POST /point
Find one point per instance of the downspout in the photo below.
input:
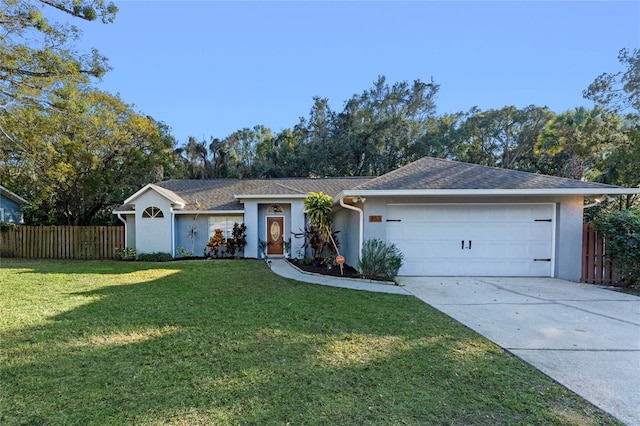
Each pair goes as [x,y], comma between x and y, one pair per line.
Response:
[119,215]
[173,237]
[361,223]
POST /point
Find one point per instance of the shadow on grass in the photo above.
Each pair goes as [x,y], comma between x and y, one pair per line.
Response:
[230,343]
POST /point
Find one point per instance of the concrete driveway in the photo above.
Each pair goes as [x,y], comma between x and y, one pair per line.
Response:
[585,337]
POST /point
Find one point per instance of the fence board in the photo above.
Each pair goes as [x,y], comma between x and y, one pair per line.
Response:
[61,242]
[597,266]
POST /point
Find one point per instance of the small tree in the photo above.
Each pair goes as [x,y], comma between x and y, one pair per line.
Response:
[622,234]
[319,206]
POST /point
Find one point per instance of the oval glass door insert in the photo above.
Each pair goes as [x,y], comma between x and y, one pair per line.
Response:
[275,231]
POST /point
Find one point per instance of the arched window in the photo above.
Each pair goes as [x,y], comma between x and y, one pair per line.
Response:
[275,208]
[152,212]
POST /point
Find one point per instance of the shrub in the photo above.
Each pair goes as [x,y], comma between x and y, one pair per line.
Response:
[217,242]
[380,260]
[155,257]
[622,235]
[238,239]
[184,253]
[5,226]
[128,253]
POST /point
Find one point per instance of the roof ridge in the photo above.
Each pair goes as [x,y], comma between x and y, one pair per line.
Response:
[290,188]
[440,173]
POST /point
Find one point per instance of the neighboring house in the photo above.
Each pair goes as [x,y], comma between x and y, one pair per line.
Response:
[10,206]
[448,218]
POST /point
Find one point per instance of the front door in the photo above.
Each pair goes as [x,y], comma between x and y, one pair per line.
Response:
[275,235]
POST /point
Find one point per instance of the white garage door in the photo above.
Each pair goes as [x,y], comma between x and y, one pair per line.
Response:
[474,240]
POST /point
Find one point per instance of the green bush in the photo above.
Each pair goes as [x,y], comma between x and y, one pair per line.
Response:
[184,253]
[128,253]
[155,257]
[622,235]
[380,260]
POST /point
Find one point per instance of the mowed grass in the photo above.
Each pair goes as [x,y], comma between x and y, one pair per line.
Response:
[229,342]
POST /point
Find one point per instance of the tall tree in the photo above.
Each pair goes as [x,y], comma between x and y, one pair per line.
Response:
[618,92]
[502,137]
[197,159]
[441,138]
[37,54]
[618,96]
[242,148]
[377,129]
[88,153]
[572,132]
[318,134]
[479,132]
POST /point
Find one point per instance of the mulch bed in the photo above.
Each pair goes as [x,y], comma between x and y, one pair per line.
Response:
[349,271]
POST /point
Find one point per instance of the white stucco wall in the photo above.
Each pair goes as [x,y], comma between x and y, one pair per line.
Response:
[348,223]
[569,218]
[251,220]
[183,224]
[153,234]
[297,223]
[130,230]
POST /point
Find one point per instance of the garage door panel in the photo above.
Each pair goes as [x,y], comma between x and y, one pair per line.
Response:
[505,239]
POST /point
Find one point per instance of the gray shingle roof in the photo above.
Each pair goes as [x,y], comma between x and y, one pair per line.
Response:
[436,173]
[424,174]
[219,194]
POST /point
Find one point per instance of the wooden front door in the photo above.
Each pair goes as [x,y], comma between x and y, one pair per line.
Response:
[275,235]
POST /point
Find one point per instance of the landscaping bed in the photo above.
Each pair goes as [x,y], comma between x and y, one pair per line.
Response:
[348,271]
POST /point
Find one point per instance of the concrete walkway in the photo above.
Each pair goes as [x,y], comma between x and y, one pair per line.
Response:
[585,337]
[285,269]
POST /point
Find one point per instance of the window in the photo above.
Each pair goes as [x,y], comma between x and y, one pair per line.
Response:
[152,213]
[225,223]
[275,208]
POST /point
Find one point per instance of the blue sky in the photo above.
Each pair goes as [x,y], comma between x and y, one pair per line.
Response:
[208,68]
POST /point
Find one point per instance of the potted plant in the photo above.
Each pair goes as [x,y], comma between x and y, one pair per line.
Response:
[286,246]
[263,247]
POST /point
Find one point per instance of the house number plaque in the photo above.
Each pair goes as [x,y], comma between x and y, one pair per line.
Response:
[375,218]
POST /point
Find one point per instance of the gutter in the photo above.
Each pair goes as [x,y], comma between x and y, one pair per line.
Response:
[610,190]
[361,221]
[599,200]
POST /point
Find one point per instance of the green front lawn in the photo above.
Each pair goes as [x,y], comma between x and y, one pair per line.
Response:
[228,342]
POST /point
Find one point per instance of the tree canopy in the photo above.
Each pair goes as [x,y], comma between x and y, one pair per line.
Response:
[92,152]
[75,151]
[38,55]
[68,148]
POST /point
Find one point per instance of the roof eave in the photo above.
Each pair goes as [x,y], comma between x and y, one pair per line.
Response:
[175,202]
[181,212]
[269,196]
[483,192]
[12,195]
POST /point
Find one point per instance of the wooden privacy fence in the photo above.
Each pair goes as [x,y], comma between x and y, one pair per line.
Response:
[61,242]
[597,266]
